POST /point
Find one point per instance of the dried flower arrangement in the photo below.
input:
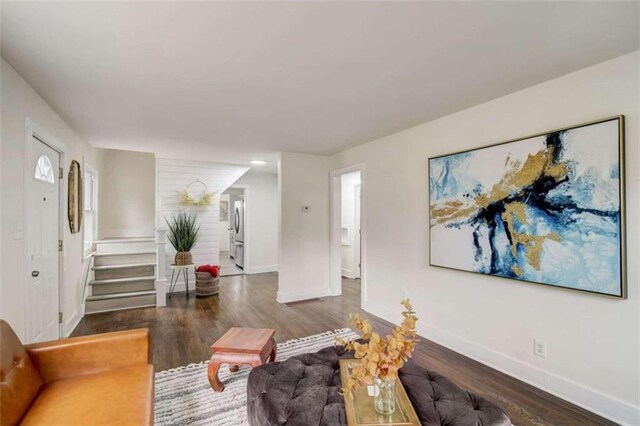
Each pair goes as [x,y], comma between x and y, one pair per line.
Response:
[188,199]
[206,199]
[381,358]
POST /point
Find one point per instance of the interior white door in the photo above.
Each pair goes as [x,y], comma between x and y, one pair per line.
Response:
[43,234]
[357,261]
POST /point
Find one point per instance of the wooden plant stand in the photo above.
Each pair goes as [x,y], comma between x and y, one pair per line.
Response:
[241,346]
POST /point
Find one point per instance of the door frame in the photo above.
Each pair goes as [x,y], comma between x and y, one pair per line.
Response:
[335,219]
[87,168]
[247,257]
[357,260]
[33,130]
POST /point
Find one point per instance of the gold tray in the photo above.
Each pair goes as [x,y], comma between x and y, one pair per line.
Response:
[359,405]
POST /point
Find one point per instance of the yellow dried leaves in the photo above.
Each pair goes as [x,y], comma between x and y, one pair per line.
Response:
[381,357]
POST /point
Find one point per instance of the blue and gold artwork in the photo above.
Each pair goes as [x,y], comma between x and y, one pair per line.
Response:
[546,209]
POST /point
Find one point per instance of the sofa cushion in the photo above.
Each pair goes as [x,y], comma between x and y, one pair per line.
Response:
[20,382]
[115,397]
[304,390]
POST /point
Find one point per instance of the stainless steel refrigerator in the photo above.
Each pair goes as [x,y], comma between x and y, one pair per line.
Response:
[238,212]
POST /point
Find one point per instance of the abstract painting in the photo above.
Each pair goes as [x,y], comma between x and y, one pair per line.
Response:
[546,209]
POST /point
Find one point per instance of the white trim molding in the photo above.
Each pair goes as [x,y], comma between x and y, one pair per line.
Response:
[298,296]
[260,269]
[71,324]
[33,130]
[335,231]
[347,273]
[576,393]
[178,288]
[161,284]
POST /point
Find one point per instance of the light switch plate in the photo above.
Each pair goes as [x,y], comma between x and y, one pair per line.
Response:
[18,232]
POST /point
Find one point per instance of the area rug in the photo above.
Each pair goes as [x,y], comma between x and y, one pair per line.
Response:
[184,396]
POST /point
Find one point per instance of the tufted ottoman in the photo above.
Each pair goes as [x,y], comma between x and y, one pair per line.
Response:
[304,390]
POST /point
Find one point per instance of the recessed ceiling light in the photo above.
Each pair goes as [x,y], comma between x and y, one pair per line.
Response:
[258,162]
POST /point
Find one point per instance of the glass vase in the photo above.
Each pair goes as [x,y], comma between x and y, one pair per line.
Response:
[384,399]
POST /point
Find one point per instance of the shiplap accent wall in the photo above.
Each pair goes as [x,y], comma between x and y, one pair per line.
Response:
[172,176]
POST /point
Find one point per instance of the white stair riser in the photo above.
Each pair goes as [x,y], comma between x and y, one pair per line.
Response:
[124,247]
[125,259]
[134,271]
[93,306]
[100,289]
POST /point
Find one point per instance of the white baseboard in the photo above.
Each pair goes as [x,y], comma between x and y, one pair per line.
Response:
[347,273]
[295,296]
[73,321]
[180,287]
[261,269]
[576,393]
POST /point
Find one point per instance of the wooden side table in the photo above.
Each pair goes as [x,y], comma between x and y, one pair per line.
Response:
[241,346]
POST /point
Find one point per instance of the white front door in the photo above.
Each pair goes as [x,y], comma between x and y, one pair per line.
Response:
[43,221]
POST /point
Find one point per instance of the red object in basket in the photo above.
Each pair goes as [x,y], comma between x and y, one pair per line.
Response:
[214,270]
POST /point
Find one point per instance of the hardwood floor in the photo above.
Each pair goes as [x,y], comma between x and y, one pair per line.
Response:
[183,331]
[228,265]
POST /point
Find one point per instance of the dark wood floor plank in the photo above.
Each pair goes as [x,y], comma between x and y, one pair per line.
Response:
[183,331]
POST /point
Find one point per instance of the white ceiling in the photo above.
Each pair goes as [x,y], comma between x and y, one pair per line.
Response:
[233,81]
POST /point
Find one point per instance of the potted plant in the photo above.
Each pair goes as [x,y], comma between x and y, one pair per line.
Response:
[183,235]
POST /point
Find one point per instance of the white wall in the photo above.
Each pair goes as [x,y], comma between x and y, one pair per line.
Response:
[348,189]
[261,221]
[127,194]
[224,226]
[20,101]
[172,177]
[592,341]
[303,265]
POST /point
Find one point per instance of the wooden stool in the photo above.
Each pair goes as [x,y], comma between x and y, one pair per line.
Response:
[241,346]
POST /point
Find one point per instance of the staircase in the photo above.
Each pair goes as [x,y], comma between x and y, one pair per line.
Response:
[124,275]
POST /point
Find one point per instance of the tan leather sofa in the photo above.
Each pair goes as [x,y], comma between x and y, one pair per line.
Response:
[100,379]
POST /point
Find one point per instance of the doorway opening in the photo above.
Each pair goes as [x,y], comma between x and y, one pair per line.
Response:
[347,232]
[350,262]
[234,232]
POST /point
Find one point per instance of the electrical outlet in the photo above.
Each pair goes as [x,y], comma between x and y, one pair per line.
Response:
[540,348]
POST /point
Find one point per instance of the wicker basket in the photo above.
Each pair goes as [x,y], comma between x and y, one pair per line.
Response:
[206,285]
[184,258]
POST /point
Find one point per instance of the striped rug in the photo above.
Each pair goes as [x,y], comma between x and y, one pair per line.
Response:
[184,396]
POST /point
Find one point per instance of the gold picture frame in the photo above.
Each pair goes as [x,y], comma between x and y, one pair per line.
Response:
[617,144]
[74,197]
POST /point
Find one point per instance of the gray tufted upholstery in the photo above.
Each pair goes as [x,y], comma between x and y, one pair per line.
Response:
[303,390]
[438,401]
